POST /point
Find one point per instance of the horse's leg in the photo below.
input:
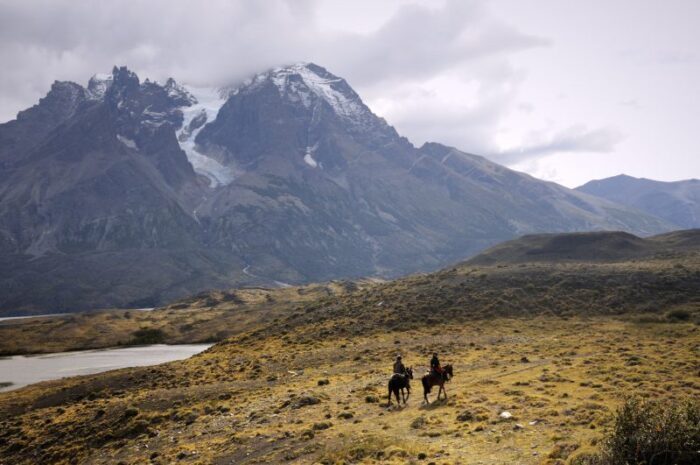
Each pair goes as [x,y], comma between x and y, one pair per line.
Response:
[396,393]
[426,388]
[389,398]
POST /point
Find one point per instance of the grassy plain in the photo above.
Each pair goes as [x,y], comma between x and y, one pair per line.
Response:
[295,398]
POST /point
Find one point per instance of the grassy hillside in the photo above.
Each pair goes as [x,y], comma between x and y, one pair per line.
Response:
[657,276]
[207,317]
[601,246]
[558,345]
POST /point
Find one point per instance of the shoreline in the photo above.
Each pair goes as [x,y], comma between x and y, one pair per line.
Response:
[37,368]
[4,356]
[52,315]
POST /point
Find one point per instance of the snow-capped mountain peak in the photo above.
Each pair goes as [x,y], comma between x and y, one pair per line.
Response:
[309,84]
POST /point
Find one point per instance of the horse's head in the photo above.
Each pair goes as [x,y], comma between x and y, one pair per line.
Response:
[448,371]
[409,372]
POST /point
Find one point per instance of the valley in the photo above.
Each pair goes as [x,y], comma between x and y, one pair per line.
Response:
[262,233]
[558,342]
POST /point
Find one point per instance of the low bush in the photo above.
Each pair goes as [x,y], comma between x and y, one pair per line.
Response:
[147,336]
[654,433]
[679,314]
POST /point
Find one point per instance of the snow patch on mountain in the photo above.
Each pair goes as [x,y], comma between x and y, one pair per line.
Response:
[204,108]
[309,156]
[127,142]
[179,93]
[310,160]
[98,85]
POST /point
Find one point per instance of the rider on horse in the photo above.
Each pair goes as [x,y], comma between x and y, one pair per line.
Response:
[438,376]
[400,381]
[399,367]
[435,364]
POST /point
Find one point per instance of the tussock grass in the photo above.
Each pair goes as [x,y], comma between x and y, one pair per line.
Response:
[357,449]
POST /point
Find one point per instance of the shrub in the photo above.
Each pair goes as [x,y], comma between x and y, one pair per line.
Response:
[679,314]
[147,336]
[654,433]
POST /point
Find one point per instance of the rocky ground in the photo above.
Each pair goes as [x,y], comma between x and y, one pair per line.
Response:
[300,398]
[543,354]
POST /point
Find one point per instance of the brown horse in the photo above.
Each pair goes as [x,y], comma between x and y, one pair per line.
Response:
[399,382]
[436,379]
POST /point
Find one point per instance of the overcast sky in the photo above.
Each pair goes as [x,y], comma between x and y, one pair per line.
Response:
[567,91]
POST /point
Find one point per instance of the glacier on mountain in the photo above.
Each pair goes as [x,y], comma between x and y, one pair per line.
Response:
[204,108]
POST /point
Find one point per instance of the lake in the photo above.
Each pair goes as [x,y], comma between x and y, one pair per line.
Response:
[53,315]
[22,370]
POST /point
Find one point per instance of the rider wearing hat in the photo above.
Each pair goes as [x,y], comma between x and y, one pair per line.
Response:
[399,366]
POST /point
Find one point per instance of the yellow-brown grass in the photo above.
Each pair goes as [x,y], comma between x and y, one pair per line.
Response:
[257,399]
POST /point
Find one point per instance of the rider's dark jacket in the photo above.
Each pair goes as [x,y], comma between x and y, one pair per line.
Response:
[399,367]
[435,363]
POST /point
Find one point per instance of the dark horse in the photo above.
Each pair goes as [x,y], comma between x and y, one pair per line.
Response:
[399,382]
[436,379]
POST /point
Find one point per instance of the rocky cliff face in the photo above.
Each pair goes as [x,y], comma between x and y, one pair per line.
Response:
[133,193]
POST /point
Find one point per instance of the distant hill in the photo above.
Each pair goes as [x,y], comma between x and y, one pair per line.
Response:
[677,202]
[588,274]
[590,246]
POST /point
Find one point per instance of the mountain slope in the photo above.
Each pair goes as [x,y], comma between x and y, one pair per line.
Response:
[676,202]
[329,188]
[96,209]
[134,193]
[586,274]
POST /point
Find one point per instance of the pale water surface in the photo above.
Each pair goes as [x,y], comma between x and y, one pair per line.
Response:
[51,315]
[21,370]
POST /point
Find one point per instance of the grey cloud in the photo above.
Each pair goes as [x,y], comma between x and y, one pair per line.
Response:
[571,140]
[227,41]
[223,41]
[419,42]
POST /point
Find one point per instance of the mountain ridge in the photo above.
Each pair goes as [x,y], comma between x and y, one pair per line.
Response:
[675,201]
[288,176]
